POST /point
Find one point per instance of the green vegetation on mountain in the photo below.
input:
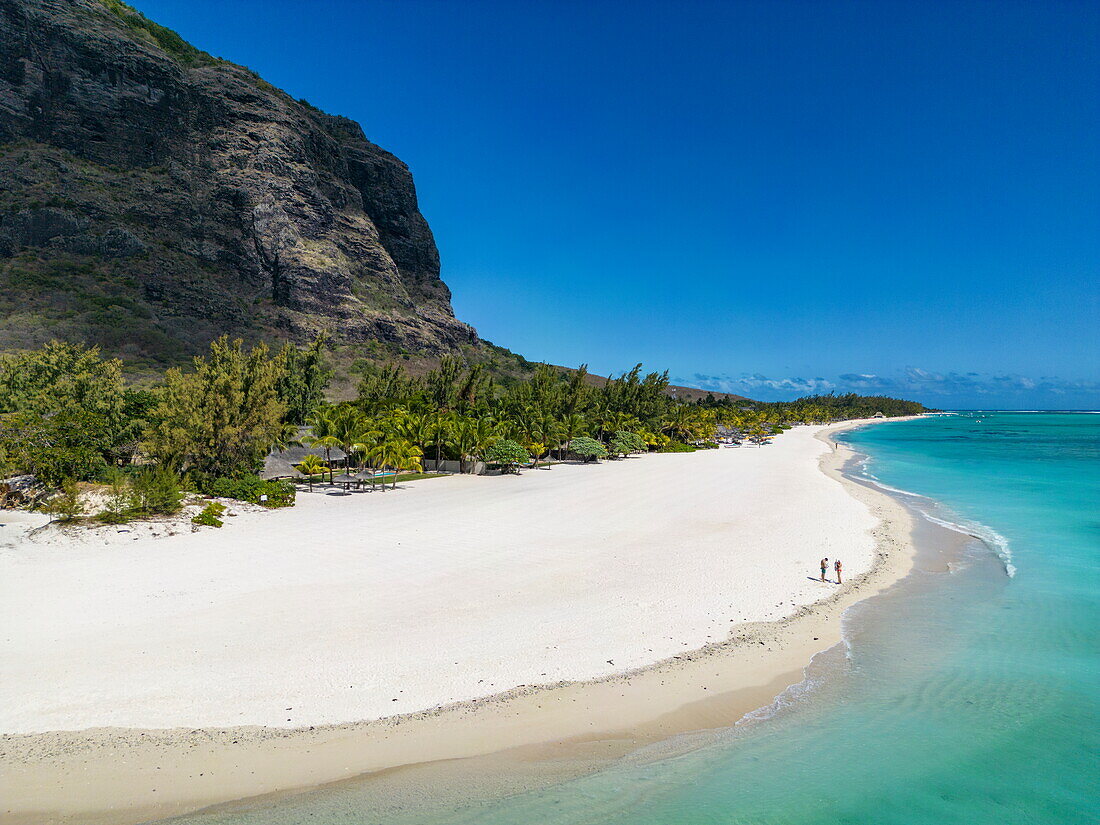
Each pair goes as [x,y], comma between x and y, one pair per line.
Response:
[163,37]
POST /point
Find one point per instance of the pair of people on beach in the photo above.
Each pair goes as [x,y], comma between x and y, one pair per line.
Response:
[837,566]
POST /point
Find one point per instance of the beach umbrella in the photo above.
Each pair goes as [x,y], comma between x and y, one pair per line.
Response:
[344,479]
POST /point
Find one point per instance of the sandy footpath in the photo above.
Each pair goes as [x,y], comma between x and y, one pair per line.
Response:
[554,592]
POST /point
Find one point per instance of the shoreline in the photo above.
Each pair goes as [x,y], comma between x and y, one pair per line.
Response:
[116,775]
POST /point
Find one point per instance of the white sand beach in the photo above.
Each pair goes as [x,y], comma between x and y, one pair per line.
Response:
[353,607]
[350,608]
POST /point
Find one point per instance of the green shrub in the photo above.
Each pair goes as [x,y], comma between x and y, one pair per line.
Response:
[114,516]
[167,39]
[588,448]
[677,447]
[251,489]
[155,491]
[118,498]
[625,442]
[65,444]
[210,515]
[506,453]
[66,504]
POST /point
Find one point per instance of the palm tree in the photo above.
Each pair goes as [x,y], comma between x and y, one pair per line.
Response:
[347,423]
[572,425]
[686,423]
[440,428]
[376,454]
[422,429]
[367,445]
[553,433]
[486,433]
[535,448]
[465,440]
[443,389]
[365,441]
[409,460]
[287,436]
[603,418]
[401,455]
[310,466]
[324,435]
[530,433]
[326,443]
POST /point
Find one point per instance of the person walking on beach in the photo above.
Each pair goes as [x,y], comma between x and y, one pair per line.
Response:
[824,567]
[837,567]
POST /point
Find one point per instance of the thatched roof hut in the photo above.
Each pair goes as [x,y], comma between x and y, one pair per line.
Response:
[275,466]
[295,453]
[282,463]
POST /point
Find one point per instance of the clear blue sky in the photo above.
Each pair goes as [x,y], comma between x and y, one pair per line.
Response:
[765,197]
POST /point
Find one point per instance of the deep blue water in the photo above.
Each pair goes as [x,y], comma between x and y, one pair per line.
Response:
[967,694]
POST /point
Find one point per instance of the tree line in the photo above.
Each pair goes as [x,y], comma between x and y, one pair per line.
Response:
[66,413]
[830,407]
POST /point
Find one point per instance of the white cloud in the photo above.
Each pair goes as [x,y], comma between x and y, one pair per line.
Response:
[746,384]
[911,382]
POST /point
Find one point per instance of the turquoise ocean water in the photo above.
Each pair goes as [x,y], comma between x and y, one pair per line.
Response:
[969,693]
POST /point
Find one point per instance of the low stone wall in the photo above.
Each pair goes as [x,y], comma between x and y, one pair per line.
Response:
[475,467]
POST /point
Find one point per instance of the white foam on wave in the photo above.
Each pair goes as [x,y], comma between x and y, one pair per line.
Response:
[866,474]
[985,534]
[883,486]
[792,695]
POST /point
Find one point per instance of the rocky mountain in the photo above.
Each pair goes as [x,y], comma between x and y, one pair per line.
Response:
[153,196]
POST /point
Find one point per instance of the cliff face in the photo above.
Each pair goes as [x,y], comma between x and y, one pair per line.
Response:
[153,197]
